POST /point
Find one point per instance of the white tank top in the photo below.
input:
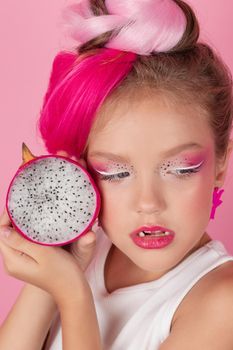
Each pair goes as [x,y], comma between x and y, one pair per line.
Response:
[139,316]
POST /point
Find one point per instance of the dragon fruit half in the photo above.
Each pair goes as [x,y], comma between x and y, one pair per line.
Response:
[52,200]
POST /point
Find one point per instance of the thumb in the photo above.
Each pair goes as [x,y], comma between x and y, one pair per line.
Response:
[86,241]
[83,249]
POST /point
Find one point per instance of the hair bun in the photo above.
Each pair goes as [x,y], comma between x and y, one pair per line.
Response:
[82,25]
[139,26]
[153,25]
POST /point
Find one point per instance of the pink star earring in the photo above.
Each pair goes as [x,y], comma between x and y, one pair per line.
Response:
[216,201]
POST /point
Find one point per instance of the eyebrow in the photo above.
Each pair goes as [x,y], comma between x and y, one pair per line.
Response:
[170,152]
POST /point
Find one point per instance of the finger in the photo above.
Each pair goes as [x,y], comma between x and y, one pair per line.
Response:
[62,153]
[83,162]
[5,248]
[14,262]
[17,242]
[88,239]
[80,160]
[83,249]
[4,218]
[85,244]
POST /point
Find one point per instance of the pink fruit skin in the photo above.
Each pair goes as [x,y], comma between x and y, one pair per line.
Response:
[96,213]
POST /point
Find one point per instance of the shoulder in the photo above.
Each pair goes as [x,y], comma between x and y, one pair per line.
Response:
[205,315]
[218,282]
[214,293]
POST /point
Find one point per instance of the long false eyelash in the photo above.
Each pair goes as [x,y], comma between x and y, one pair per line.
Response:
[113,177]
[116,177]
[188,171]
[178,173]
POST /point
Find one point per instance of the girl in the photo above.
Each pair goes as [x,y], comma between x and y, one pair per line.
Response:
[148,110]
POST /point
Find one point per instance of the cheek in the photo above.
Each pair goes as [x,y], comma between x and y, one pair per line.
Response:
[196,202]
[112,202]
[196,199]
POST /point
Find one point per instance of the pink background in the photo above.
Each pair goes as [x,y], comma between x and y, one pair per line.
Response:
[28,46]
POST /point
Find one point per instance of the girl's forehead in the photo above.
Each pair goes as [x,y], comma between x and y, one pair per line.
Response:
[154,125]
[149,123]
[155,110]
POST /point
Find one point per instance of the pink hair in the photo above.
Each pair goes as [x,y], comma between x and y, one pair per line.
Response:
[77,88]
[139,26]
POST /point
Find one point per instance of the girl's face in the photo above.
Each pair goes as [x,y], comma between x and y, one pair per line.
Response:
[154,165]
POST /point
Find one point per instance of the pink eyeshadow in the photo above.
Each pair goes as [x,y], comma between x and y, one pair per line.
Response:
[191,159]
[99,166]
[187,159]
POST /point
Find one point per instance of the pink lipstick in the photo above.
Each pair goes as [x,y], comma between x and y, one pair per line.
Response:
[152,237]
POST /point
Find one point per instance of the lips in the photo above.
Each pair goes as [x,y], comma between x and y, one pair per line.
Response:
[151,229]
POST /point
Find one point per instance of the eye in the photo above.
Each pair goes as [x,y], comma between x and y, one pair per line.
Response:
[114,177]
[187,172]
[179,173]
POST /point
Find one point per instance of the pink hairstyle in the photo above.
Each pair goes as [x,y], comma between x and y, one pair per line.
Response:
[79,85]
[140,26]
[76,91]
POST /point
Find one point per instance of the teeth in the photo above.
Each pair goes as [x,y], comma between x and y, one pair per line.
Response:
[156,233]
[141,234]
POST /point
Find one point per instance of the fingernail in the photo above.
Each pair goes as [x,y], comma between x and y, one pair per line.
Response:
[5,232]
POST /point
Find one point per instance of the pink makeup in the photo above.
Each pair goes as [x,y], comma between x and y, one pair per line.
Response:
[109,166]
[150,242]
[153,237]
[185,162]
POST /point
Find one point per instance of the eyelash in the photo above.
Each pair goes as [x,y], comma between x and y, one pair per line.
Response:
[186,174]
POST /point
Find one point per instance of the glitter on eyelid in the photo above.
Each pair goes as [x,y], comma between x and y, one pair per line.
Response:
[179,164]
[111,166]
[114,167]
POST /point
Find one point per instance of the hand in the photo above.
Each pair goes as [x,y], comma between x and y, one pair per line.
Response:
[83,248]
[50,268]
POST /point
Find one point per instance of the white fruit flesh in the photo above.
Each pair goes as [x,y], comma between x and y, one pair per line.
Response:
[51,200]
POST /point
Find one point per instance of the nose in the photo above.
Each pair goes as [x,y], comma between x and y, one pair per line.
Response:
[149,197]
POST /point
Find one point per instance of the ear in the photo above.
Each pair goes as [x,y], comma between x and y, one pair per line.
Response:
[222,166]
